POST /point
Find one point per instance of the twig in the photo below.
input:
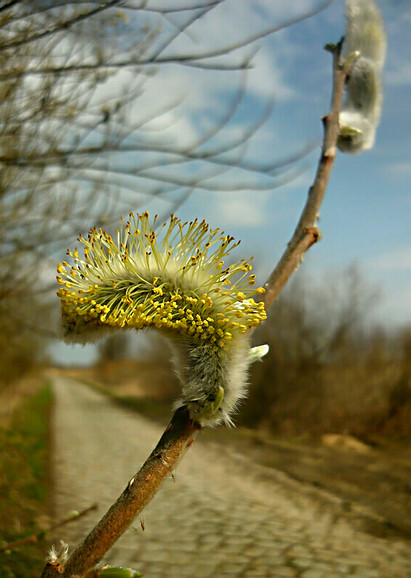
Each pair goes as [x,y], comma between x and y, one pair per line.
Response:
[181,431]
[34,538]
[306,232]
[141,488]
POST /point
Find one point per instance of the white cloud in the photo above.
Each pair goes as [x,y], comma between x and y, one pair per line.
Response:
[232,22]
[204,96]
[243,209]
[398,259]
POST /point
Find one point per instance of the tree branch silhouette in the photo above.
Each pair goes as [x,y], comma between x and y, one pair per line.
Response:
[81,143]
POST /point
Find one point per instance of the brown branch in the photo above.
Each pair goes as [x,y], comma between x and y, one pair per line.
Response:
[306,233]
[139,491]
[59,26]
[192,59]
[181,431]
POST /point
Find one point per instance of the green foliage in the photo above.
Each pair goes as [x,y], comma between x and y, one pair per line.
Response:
[23,485]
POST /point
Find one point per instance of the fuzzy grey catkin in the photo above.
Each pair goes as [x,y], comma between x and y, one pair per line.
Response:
[364,51]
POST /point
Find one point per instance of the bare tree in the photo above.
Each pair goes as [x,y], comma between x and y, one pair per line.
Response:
[320,340]
[73,149]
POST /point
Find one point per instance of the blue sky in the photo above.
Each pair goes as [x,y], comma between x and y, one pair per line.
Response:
[365,217]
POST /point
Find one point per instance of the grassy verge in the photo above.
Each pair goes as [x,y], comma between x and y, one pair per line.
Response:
[24,501]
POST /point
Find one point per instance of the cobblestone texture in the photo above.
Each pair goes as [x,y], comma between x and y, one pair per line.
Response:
[219,517]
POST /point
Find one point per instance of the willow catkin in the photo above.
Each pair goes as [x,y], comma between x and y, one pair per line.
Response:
[174,280]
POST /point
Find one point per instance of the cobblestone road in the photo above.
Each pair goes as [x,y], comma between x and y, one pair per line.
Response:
[220,517]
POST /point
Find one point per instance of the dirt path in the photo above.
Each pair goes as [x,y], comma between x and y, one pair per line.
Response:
[221,517]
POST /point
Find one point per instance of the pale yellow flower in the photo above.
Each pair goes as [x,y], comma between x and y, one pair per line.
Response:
[174,280]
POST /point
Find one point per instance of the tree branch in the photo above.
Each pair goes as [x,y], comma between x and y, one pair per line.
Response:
[141,488]
[306,232]
[64,25]
[181,430]
[190,59]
